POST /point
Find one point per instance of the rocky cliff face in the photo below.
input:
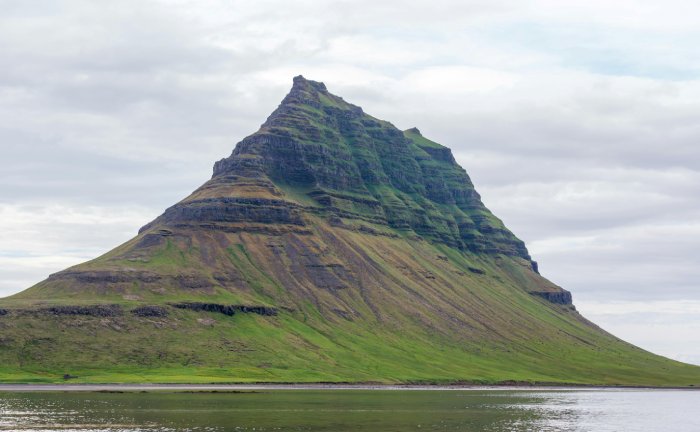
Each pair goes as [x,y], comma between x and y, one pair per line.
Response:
[346,166]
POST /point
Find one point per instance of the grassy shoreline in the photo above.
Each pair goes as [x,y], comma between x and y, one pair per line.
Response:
[233,388]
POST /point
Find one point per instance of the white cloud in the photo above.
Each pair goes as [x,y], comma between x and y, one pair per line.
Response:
[456,81]
[665,307]
[39,239]
[667,327]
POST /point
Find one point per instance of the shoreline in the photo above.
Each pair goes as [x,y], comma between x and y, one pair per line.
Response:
[212,388]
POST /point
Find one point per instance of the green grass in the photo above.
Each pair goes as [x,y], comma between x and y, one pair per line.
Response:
[506,334]
[291,351]
[421,141]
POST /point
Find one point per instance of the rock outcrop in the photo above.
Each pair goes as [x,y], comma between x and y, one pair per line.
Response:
[345,164]
[228,310]
[150,311]
[93,310]
[562,297]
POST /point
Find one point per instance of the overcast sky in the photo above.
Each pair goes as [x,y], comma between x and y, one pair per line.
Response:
[579,122]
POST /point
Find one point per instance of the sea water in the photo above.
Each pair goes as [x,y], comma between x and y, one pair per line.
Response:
[355,410]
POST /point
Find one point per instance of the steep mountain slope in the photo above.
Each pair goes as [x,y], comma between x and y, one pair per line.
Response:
[330,246]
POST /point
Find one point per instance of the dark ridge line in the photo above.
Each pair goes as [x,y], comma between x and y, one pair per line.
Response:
[228,310]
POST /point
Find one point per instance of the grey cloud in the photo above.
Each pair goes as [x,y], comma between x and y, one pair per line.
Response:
[672,333]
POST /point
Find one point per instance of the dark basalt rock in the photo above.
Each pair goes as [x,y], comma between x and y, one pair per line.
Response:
[154,239]
[476,270]
[317,140]
[118,280]
[562,297]
[331,199]
[228,310]
[107,276]
[207,307]
[218,210]
[371,231]
[270,229]
[94,311]
[3,312]
[441,154]
[260,310]
[150,311]
[354,167]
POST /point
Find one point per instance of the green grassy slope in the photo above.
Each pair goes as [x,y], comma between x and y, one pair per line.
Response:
[414,315]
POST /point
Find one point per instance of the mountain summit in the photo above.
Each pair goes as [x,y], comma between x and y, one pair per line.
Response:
[347,165]
[328,247]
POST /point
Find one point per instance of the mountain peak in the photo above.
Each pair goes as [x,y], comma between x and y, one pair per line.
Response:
[305,92]
[351,165]
[414,130]
[301,83]
[305,102]
[329,247]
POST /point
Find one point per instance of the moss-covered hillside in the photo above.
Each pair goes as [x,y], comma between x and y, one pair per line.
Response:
[329,247]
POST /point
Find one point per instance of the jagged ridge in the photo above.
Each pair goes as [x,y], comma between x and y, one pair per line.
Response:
[357,167]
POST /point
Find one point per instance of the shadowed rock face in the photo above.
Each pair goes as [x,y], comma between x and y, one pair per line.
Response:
[106,276]
[228,310]
[350,165]
[150,311]
[207,307]
[562,297]
[94,311]
[213,212]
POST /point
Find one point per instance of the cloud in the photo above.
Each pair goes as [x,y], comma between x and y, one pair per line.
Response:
[38,239]
[666,327]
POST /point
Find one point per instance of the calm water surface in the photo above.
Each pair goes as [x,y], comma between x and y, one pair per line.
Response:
[356,410]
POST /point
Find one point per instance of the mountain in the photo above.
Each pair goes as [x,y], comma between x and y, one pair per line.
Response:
[329,247]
